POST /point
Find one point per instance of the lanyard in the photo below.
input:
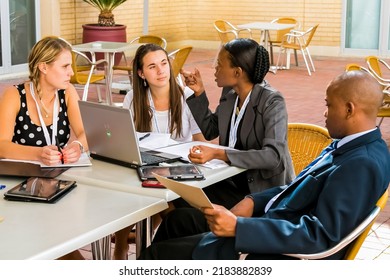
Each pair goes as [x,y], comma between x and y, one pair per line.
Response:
[54,119]
[151,104]
[236,121]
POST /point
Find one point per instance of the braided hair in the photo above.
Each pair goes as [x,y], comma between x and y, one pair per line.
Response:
[251,57]
[47,51]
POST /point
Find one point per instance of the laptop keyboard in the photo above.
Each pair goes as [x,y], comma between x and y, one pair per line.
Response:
[151,159]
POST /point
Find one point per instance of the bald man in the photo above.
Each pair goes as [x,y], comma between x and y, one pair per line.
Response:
[320,207]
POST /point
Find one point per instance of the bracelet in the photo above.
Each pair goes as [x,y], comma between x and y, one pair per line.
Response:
[81,145]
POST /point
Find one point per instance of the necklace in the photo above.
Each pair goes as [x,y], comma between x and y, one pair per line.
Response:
[44,108]
[54,117]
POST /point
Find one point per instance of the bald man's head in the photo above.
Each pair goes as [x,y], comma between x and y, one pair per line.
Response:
[353,100]
[360,88]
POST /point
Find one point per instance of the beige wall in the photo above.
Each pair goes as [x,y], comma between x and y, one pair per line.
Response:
[186,21]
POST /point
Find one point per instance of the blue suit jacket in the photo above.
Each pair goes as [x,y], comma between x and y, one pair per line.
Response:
[316,211]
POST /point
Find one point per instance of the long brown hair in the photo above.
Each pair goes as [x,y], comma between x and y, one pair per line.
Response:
[143,114]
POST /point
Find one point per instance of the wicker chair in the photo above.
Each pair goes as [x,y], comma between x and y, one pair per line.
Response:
[354,240]
[305,142]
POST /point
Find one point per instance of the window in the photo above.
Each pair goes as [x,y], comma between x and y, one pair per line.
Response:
[18,33]
[367,27]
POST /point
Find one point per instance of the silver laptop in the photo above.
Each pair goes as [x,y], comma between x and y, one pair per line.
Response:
[111,137]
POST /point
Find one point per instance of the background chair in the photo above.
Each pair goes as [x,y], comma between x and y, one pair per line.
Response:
[379,67]
[84,74]
[384,111]
[144,39]
[305,142]
[299,40]
[354,240]
[178,58]
[227,32]
[355,66]
[276,40]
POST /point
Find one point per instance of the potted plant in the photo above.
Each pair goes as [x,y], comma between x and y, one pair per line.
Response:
[106,29]
[106,17]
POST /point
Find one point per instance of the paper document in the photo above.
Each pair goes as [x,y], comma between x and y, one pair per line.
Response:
[183,149]
[83,161]
[195,196]
[153,140]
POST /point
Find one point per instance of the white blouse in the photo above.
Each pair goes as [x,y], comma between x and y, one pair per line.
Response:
[189,125]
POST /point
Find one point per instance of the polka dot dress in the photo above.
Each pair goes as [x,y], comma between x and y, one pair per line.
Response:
[30,134]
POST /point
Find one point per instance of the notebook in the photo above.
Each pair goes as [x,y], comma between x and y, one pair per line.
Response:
[111,137]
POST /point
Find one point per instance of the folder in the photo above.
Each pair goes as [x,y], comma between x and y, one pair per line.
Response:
[193,195]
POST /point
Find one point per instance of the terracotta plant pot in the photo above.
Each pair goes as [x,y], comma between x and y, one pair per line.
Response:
[95,32]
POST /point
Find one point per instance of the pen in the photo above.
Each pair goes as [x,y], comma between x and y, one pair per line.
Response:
[59,149]
[143,137]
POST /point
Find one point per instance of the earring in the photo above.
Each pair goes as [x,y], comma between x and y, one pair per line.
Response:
[145,83]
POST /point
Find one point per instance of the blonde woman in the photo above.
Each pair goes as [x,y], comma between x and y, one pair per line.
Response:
[34,114]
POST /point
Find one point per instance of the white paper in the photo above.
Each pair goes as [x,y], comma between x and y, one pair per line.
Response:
[154,140]
[183,150]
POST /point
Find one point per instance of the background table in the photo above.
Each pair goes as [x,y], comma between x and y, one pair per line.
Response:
[86,214]
[109,49]
[265,27]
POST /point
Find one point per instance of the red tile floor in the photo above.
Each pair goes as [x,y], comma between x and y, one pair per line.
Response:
[304,96]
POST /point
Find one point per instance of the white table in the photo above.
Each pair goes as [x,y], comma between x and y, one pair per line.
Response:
[120,178]
[109,49]
[86,214]
[265,27]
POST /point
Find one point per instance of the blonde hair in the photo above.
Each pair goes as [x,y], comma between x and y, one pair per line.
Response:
[46,51]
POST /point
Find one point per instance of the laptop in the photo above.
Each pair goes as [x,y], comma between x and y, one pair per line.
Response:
[112,137]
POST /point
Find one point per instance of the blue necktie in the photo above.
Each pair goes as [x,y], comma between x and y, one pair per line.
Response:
[325,152]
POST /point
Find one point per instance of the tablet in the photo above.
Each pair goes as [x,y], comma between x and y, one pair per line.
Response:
[38,189]
[174,172]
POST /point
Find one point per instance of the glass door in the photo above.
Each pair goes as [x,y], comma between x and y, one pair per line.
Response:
[18,34]
[367,27]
